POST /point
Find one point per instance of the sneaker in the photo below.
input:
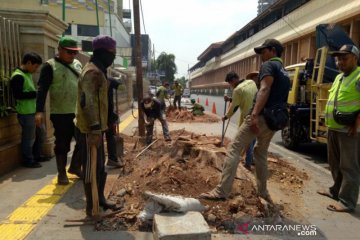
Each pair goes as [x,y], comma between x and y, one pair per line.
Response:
[113,163]
[248,167]
[32,165]
[76,172]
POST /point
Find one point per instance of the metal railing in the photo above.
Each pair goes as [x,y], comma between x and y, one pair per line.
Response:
[10,58]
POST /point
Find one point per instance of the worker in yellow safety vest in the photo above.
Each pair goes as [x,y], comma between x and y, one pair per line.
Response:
[342,117]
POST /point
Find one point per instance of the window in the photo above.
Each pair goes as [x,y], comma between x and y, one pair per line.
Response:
[87,30]
[68,30]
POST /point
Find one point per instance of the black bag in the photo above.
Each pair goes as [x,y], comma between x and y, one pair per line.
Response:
[345,118]
[276,117]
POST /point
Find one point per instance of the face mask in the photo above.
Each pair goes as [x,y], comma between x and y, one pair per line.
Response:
[147,105]
[106,58]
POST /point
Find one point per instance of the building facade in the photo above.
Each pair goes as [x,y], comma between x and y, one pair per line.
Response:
[292,22]
[87,19]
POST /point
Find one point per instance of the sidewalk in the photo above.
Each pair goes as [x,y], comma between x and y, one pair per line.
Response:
[22,184]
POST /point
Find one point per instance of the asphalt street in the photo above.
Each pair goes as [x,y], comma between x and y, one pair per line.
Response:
[314,152]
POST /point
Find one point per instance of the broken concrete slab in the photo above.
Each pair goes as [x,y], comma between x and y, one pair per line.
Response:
[180,226]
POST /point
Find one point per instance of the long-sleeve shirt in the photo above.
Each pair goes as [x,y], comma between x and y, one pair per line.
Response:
[154,111]
[16,84]
[45,80]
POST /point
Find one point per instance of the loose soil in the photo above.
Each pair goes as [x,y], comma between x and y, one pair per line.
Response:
[189,166]
[185,115]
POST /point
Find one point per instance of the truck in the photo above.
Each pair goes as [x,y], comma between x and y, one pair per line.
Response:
[310,82]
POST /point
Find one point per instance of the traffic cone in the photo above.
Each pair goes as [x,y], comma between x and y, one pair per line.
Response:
[198,100]
[214,108]
[206,102]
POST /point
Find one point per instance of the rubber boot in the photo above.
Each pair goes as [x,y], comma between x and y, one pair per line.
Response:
[61,167]
[105,204]
[87,189]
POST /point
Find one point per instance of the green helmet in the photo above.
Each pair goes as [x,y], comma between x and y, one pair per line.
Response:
[192,101]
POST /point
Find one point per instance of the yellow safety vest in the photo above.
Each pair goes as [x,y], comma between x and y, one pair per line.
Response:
[348,99]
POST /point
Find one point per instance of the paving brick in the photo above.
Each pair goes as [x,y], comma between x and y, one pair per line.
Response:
[180,226]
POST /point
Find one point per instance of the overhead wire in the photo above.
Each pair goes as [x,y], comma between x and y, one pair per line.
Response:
[293,28]
[142,16]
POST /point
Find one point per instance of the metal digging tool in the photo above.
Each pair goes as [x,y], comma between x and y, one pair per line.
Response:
[223,126]
[146,148]
[118,139]
[94,188]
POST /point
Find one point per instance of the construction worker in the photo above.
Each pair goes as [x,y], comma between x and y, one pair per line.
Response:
[197,108]
[153,110]
[243,95]
[162,94]
[178,93]
[59,76]
[274,89]
[92,118]
[342,117]
[113,120]
[23,89]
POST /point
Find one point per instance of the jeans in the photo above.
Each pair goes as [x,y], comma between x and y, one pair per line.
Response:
[150,127]
[28,129]
[249,154]
[178,100]
[40,134]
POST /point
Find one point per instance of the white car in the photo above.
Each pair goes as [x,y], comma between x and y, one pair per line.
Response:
[186,93]
[152,90]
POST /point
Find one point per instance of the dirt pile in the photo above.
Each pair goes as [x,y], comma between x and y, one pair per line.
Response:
[185,115]
[189,166]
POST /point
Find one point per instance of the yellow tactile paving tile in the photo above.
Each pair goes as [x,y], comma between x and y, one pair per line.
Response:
[15,231]
[127,121]
[22,221]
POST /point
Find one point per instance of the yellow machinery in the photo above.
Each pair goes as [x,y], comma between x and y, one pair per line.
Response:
[310,83]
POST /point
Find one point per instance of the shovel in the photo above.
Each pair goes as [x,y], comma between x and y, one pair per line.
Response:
[223,126]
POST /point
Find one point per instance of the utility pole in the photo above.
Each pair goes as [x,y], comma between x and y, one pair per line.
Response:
[138,61]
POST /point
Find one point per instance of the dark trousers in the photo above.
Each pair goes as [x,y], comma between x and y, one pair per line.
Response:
[344,161]
[27,122]
[178,100]
[111,143]
[64,131]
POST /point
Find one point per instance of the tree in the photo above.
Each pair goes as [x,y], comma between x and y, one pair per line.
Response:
[182,81]
[166,63]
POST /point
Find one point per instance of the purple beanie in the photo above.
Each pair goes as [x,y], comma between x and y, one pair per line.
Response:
[103,41]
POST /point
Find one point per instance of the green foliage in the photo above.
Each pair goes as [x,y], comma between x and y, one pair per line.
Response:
[166,63]
[182,81]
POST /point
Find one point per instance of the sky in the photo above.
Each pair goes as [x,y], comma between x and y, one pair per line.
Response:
[186,28]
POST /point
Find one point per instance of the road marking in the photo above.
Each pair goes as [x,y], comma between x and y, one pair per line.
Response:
[24,219]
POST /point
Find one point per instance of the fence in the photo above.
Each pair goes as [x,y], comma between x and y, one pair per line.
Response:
[10,58]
